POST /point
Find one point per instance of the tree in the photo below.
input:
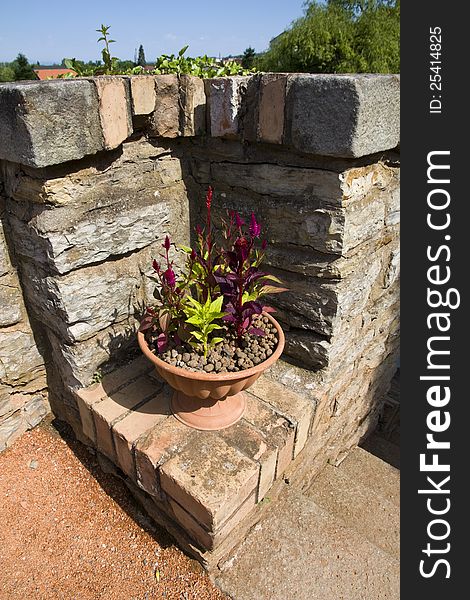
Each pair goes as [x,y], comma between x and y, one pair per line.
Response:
[6,72]
[141,58]
[22,68]
[341,36]
[248,58]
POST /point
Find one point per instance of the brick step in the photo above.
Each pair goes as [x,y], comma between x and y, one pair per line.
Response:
[363,493]
[206,482]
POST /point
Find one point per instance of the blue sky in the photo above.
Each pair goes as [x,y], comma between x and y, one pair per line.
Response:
[50,31]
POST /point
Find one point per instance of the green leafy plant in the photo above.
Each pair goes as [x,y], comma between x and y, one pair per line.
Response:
[108,60]
[201,317]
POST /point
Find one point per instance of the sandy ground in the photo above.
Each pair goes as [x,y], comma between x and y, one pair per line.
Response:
[69,531]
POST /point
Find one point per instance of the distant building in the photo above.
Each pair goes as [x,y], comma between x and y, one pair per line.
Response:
[43,74]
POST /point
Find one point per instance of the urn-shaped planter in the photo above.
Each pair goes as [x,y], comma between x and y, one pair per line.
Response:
[210,401]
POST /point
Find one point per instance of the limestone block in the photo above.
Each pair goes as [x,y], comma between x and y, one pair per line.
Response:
[225,96]
[11,300]
[28,412]
[193,103]
[5,264]
[143,94]
[294,220]
[272,107]
[84,302]
[67,238]
[115,110]
[49,122]
[342,115]
[307,348]
[307,185]
[165,121]
[20,361]
[77,363]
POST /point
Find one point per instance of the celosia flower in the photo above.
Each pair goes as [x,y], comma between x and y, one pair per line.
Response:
[166,243]
[156,266]
[169,277]
[255,228]
[239,221]
[209,198]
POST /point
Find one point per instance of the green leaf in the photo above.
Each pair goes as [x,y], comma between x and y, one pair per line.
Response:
[194,320]
[198,335]
[216,305]
[186,249]
[183,50]
[216,340]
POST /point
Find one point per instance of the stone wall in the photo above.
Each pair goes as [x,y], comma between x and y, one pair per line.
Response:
[97,171]
[23,396]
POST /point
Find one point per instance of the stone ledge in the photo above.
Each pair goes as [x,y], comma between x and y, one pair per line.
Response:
[206,482]
[51,122]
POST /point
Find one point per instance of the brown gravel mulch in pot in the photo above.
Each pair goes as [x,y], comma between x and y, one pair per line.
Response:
[69,531]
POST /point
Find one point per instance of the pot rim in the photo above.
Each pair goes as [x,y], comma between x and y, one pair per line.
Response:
[216,377]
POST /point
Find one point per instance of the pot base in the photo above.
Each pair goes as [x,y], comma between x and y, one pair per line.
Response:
[208,415]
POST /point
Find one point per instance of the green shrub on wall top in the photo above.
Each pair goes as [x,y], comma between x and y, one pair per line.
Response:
[200,66]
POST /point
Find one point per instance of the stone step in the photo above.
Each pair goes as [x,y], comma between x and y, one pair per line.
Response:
[206,482]
[359,507]
[373,473]
[302,551]
[384,449]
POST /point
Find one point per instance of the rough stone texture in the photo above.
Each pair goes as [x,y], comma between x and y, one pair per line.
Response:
[193,106]
[225,98]
[143,94]
[23,398]
[49,122]
[115,110]
[165,121]
[345,115]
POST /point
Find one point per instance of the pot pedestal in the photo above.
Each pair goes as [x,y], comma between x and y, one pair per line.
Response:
[208,415]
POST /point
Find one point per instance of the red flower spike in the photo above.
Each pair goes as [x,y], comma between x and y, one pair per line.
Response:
[169,277]
[167,243]
[238,220]
[209,198]
[255,227]
[156,266]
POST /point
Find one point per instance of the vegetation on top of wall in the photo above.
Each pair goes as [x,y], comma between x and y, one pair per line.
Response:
[339,36]
[200,66]
[17,70]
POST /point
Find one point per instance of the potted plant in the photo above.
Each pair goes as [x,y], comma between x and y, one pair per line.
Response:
[209,334]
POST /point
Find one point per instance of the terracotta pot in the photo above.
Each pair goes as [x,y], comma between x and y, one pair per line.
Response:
[210,401]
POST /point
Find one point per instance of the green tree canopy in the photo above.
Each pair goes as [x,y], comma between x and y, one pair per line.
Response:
[341,36]
[248,58]
[22,68]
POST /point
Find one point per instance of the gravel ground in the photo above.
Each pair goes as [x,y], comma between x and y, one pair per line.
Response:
[69,531]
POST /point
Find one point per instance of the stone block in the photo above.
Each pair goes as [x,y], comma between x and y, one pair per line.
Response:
[278,431]
[209,479]
[193,104]
[11,300]
[164,440]
[110,409]
[272,107]
[143,94]
[225,95]
[128,430]
[115,110]
[165,121]
[295,408]
[67,238]
[257,446]
[20,361]
[49,122]
[5,263]
[308,348]
[342,115]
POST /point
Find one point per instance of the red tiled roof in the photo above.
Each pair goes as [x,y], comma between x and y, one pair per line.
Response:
[51,73]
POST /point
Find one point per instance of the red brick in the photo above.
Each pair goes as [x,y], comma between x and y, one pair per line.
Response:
[166,438]
[128,430]
[209,479]
[109,410]
[205,539]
